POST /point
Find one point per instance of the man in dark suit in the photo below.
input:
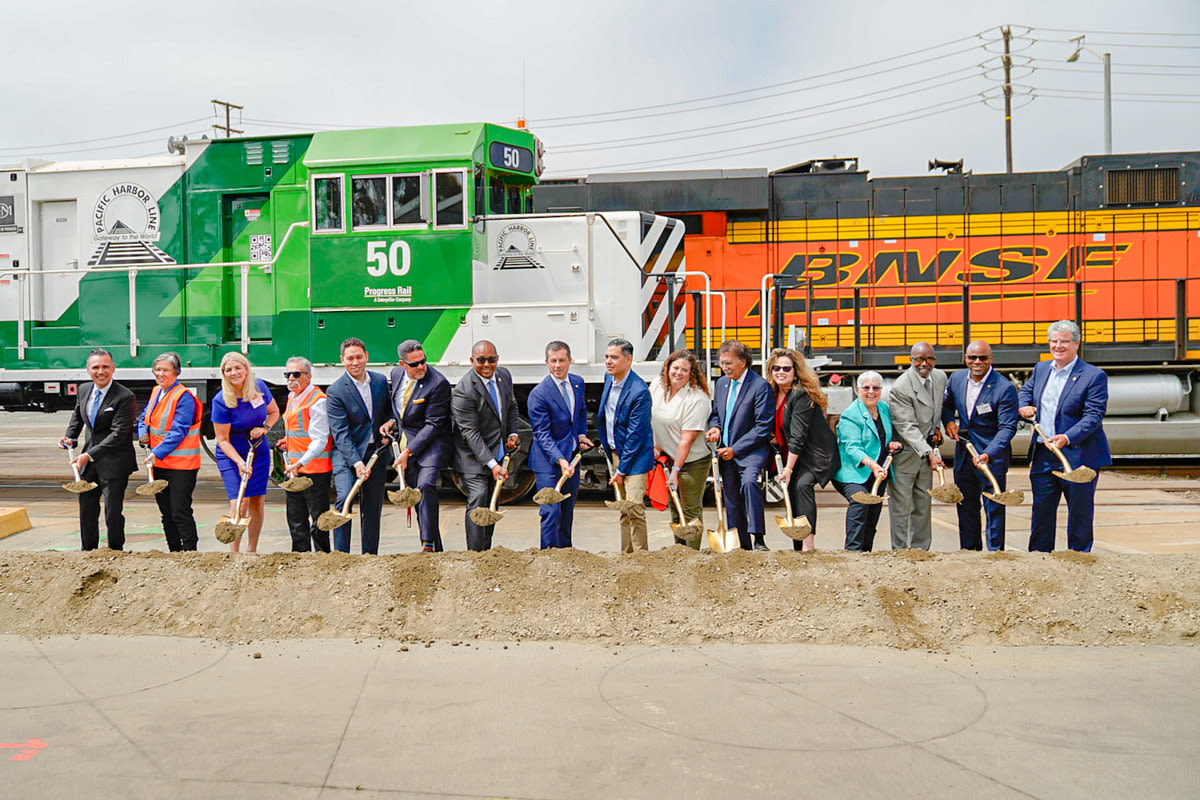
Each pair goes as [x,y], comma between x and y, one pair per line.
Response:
[624,425]
[980,407]
[484,410]
[357,406]
[559,420]
[421,409]
[1069,398]
[105,410]
[743,414]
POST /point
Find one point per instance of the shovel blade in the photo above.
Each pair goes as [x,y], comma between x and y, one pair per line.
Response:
[689,531]
[406,497]
[1013,498]
[151,488]
[296,484]
[946,494]
[333,519]
[1078,475]
[79,487]
[866,498]
[229,530]
[485,516]
[797,528]
[548,496]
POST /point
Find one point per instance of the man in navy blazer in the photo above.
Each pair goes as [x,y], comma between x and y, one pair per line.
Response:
[743,414]
[357,406]
[421,412]
[624,425]
[980,407]
[1068,397]
[484,409]
[558,417]
[105,411]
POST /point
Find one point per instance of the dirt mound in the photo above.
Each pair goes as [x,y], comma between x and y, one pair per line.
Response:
[903,599]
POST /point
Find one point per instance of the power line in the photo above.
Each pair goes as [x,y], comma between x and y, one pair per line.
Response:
[102,138]
[1114,33]
[1121,99]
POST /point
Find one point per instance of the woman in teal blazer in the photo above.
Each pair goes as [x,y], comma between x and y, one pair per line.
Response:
[864,435]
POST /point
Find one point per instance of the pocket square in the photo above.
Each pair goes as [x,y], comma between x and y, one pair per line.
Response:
[421,400]
[110,408]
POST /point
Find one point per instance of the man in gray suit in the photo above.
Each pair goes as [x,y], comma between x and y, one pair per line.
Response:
[916,405]
[484,410]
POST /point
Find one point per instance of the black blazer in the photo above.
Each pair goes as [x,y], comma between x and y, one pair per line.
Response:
[479,430]
[810,437]
[110,443]
[426,421]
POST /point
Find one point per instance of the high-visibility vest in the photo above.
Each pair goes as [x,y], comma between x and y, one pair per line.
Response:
[186,454]
[296,421]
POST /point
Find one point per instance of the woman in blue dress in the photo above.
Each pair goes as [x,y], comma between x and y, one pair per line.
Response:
[243,411]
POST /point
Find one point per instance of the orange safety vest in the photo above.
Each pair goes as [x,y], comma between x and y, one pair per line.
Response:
[296,420]
[186,454]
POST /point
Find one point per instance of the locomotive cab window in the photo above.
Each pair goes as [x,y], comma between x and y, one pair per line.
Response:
[408,201]
[369,206]
[449,192]
[328,216]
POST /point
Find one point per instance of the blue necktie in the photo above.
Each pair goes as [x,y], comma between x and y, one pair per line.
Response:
[566,397]
[95,407]
[496,403]
[729,412]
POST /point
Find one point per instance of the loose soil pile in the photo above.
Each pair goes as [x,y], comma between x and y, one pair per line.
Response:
[902,599]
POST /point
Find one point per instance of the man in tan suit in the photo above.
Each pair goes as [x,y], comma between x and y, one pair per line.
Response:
[916,405]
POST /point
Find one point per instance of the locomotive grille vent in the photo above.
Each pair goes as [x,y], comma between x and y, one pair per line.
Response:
[254,153]
[279,152]
[1140,187]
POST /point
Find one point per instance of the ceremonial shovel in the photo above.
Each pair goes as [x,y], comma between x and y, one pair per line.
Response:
[77,486]
[945,492]
[688,531]
[490,516]
[335,519]
[1013,498]
[1077,475]
[404,496]
[620,503]
[230,529]
[547,496]
[151,486]
[873,499]
[721,540]
[791,527]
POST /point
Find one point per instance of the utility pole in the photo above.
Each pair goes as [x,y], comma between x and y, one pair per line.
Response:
[1007,33]
[229,107]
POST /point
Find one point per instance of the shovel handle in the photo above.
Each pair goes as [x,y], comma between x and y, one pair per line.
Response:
[612,469]
[499,485]
[975,454]
[719,493]
[71,461]
[358,484]
[563,478]
[941,473]
[1066,465]
[787,499]
[678,504]
[396,457]
[887,462]
[237,509]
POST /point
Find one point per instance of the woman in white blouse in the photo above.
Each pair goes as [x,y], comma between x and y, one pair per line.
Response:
[679,416]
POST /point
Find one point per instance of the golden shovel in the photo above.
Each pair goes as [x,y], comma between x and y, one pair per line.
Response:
[619,503]
[77,486]
[490,516]
[405,496]
[790,526]
[688,531]
[945,492]
[335,519]
[228,530]
[547,496]
[721,540]
[151,486]
[873,498]
[1013,498]
[1077,475]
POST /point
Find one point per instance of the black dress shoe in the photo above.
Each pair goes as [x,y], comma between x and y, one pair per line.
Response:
[761,546]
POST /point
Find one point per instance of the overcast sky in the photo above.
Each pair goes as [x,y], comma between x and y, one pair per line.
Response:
[612,86]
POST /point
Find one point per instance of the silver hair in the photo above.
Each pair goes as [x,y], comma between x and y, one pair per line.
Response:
[869,375]
[1064,326]
[406,347]
[302,361]
[171,357]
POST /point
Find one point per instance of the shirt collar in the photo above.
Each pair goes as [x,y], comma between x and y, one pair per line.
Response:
[982,380]
[1056,371]
[365,382]
[306,392]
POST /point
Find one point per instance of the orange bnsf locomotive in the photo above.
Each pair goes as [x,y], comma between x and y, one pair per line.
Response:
[857,269]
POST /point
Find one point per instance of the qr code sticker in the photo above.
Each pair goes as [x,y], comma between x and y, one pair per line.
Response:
[260,247]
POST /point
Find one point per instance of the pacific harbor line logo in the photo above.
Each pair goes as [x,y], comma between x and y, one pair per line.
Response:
[126,222]
[517,245]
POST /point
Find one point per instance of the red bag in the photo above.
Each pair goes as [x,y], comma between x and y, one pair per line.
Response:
[656,484]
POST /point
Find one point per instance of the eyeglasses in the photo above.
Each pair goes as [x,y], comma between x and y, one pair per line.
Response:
[870,388]
[781,368]
[414,364]
[979,358]
[930,359]
[482,359]
[294,374]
